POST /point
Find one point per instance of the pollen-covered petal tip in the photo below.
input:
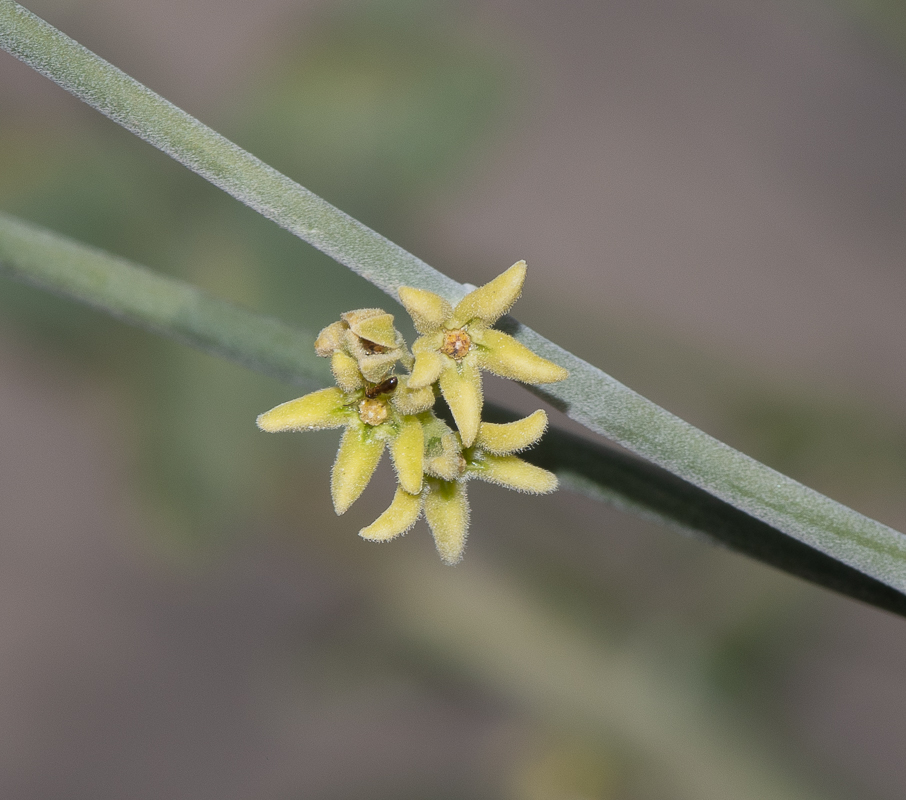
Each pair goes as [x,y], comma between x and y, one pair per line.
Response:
[461,388]
[315,411]
[447,512]
[407,451]
[514,473]
[357,459]
[428,310]
[491,301]
[511,437]
[504,356]
[396,520]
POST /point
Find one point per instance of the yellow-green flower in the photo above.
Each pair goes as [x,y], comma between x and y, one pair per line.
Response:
[363,347]
[372,420]
[456,343]
[448,467]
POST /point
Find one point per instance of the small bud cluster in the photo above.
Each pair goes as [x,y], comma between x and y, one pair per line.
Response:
[378,408]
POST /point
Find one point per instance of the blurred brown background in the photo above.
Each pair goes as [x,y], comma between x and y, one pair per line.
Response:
[710,196]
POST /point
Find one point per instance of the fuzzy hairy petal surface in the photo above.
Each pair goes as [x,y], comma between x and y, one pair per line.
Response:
[504,356]
[511,437]
[427,369]
[514,473]
[357,459]
[346,372]
[315,411]
[429,311]
[407,451]
[491,301]
[447,512]
[461,388]
[407,400]
[330,339]
[396,520]
[377,328]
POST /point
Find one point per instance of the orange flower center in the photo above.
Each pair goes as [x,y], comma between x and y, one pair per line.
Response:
[373,411]
[456,344]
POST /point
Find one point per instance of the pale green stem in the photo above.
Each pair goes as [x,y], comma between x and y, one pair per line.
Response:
[180,311]
[589,396]
[158,303]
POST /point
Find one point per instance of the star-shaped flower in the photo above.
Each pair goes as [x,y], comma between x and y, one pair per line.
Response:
[374,416]
[448,467]
[456,343]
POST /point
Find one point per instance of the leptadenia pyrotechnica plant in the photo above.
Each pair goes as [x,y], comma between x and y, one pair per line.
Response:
[378,408]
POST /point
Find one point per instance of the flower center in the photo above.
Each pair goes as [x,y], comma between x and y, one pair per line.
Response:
[373,411]
[456,344]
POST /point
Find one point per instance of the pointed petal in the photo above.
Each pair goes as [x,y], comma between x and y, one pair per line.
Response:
[447,512]
[377,367]
[491,301]
[461,388]
[346,372]
[428,310]
[511,437]
[427,369]
[372,324]
[315,411]
[513,473]
[412,401]
[504,356]
[396,520]
[330,339]
[356,461]
[429,343]
[407,451]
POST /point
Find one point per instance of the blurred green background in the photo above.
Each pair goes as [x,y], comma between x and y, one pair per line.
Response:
[710,198]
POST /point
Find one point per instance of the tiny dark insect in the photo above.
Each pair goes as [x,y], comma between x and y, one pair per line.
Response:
[381,388]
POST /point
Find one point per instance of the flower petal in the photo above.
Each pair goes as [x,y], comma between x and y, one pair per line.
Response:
[513,473]
[461,387]
[491,301]
[407,451]
[330,339]
[427,369]
[412,401]
[428,310]
[447,512]
[315,411]
[373,324]
[511,437]
[346,372]
[396,520]
[504,356]
[443,450]
[357,459]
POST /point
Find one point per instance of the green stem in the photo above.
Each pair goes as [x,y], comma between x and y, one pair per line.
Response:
[158,303]
[165,305]
[589,396]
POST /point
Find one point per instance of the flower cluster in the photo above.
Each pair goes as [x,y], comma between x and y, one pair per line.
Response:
[379,408]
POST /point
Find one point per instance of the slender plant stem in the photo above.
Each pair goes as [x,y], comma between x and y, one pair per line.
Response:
[158,303]
[589,396]
[173,308]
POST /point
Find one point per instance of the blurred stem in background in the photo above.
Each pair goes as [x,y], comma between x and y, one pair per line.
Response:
[202,461]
